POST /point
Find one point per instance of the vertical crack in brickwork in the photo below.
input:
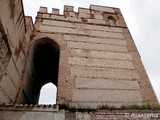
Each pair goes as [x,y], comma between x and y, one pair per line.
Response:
[5,52]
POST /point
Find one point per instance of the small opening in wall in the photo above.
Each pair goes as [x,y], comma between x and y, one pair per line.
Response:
[112,21]
[48,94]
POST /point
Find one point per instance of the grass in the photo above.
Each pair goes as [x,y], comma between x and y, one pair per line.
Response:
[107,107]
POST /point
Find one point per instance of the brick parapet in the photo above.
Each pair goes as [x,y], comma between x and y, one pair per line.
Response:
[100,15]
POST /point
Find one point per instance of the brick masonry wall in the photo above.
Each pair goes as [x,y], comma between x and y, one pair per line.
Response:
[99,62]
[50,112]
[15,35]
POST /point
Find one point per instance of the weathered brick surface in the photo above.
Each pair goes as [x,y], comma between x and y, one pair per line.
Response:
[13,72]
[5,52]
[97,47]
[13,20]
[104,73]
[90,83]
[79,25]
[51,29]
[9,90]
[100,54]
[95,40]
[107,96]
[4,97]
[93,62]
[97,21]
[13,45]
[144,82]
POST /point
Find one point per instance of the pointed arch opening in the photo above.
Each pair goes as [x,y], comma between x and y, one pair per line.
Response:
[42,68]
[48,94]
[112,21]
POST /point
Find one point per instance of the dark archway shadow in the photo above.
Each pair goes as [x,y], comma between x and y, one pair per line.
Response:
[41,68]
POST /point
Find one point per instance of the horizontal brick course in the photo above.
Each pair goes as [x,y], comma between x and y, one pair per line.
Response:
[52,29]
[104,73]
[106,95]
[100,63]
[100,54]
[94,40]
[93,46]
[91,83]
[79,25]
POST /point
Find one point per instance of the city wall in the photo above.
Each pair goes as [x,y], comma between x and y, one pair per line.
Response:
[99,62]
[14,37]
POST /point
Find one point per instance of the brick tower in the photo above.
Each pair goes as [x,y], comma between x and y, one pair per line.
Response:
[98,62]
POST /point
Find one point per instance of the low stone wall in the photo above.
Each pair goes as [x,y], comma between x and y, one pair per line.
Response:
[114,115]
[52,112]
[31,112]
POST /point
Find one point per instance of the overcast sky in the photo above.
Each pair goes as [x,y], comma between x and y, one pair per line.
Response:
[142,18]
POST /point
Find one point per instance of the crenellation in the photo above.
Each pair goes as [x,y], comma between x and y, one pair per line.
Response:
[83,10]
[55,11]
[95,15]
[84,13]
[102,8]
[43,9]
[68,8]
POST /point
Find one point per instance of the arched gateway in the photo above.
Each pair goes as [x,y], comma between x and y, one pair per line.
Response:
[41,68]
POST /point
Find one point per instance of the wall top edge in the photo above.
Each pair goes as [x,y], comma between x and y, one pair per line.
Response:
[36,107]
[91,7]
[95,14]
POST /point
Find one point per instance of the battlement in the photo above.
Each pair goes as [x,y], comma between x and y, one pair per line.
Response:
[28,107]
[91,8]
[94,15]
